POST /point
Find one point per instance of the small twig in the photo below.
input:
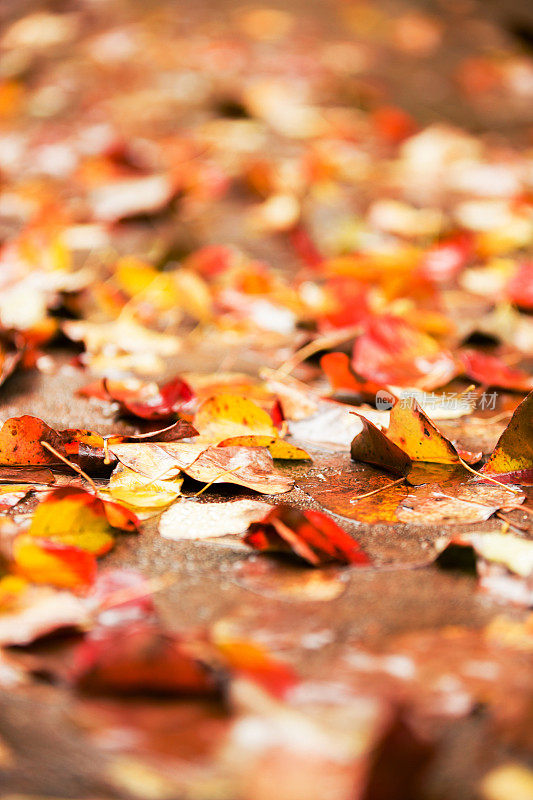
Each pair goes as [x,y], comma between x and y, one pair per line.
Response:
[487,478]
[72,466]
[320,343]
[376,491]
[226,472]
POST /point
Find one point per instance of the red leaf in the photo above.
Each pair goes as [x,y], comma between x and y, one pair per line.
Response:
[166,403]
[491,371]
[310,535]
[392,352]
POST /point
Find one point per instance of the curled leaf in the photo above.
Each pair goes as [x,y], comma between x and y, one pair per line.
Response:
[311,535]
[412,430]
[372,447]
[277,448]
[150,402]
[512,458]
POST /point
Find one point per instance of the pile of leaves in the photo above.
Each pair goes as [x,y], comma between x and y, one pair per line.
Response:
[284,346]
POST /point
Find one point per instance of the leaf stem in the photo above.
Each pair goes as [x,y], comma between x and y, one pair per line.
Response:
[320,343]
[376,491]
[72,466]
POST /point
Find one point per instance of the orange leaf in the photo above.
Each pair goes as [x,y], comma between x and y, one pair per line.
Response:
[45,561]
[20,442]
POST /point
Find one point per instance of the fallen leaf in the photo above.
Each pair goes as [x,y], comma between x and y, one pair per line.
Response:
[277,448]
[412,430]
[491,371]
[130,487]
[311,535]
[512,459]
[52,562]
[459,503]
[372,447]
[342,377]
[244,466]
[150,402]
[139,656]
[26,475]
[69,515]
[392,353]
[227,415]
[189,519]
[20,442]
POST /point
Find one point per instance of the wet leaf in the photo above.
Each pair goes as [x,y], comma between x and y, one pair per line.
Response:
[130,487]
[372,447]
[311,535]
[76,517]
[20,442]
[150,402]
[277,448]
[512,459]
[342,377]
[139,656]
[412,430]
[244,466]
[459,503]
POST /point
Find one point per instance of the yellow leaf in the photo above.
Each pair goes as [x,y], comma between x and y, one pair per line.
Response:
[78,521]
[44,561]
[418,436]
[226,415]
[137,490]
[277,447]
